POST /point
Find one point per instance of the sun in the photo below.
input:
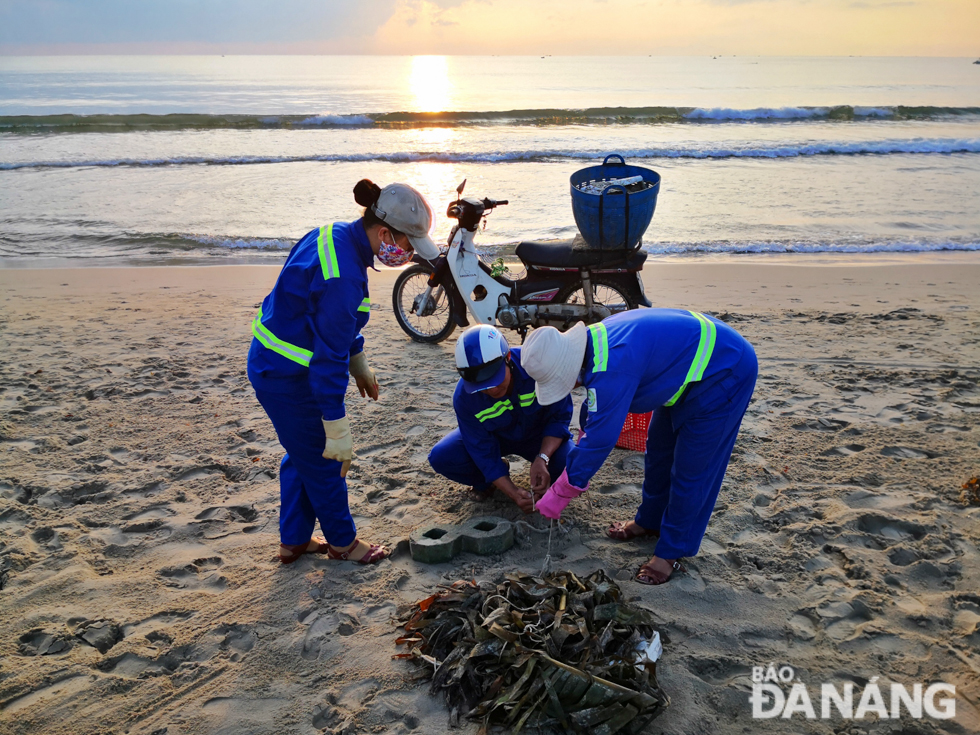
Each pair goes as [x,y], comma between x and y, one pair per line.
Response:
[429,82]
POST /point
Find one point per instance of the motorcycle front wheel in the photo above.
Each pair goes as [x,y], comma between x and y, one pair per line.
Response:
[605,292]
[428,320]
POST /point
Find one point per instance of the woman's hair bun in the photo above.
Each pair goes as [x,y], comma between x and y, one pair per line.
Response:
[366,192]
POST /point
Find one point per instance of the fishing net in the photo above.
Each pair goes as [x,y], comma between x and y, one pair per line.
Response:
[546,654]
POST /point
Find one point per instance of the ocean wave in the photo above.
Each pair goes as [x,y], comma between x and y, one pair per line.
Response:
[844,248]
[916,146]
[66,123]
[238,243]
[768,114]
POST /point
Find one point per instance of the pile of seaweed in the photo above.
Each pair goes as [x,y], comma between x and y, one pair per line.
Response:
[552,653]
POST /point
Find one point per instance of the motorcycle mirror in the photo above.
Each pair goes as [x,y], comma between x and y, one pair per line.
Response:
[459,189]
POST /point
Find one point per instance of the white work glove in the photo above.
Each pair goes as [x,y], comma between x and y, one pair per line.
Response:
[364,376]
[339,445]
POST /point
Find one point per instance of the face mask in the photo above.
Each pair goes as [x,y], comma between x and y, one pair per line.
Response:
[392,255]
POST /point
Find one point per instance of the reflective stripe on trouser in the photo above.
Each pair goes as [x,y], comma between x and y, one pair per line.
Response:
[706,345]
[451,459]
[688,448]
[310,487]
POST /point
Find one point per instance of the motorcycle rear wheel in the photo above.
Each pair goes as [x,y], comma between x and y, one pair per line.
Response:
[605,292]
[436,320]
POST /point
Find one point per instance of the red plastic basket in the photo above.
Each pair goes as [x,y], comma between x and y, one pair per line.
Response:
[634,434]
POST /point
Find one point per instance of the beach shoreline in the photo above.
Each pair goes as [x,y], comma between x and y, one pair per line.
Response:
[274,259]
[139,506]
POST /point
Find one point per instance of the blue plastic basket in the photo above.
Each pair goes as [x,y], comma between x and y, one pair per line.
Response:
[602,218]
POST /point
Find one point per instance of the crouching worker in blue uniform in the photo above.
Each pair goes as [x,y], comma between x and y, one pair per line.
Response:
[307,343]
[498,414]
[695,373]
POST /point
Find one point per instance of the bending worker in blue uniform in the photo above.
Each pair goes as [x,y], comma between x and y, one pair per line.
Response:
[498,414]
[307,343]
[694,372]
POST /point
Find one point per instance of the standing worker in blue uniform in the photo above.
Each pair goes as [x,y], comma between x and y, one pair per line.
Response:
[307,343]
[498,414]
[694,372]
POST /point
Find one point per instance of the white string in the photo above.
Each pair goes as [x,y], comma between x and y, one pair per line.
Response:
[547,559]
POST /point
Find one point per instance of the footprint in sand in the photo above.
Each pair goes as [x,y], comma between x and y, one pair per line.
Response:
[216,522]
[231,474]
[845,451]
[319,636]
[946,429]
[154,627]
[44,642]
[821,424]
[47,537]
[720,671]
[908,453]
[200,574]
[842,619]
[966,618]
[244,714]
[100,634]
[234,640]
[890,528]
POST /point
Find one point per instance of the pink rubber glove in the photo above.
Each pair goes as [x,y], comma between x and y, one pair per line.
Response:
[558,496]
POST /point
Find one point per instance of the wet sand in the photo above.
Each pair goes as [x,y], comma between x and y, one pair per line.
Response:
[139,508]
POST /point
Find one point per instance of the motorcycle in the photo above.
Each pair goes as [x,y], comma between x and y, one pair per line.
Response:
[562,284]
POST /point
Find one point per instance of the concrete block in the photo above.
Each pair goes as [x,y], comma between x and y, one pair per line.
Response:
[481,535]
[487,535]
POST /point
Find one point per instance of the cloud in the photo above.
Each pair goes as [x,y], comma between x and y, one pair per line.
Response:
[26,22]
[888,4]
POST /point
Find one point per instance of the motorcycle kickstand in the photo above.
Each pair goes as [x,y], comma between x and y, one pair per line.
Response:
[523,332]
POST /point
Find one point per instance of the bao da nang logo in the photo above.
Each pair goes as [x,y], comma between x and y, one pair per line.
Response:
[777,693]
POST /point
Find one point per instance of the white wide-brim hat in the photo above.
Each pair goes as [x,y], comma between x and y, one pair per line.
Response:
[554,360]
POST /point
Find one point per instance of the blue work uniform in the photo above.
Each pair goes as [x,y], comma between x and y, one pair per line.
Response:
[489,429]
[304,335]
[697,375]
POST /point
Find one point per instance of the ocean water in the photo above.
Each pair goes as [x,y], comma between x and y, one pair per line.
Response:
[232,159]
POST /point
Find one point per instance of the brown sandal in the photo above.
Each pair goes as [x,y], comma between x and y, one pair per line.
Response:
[297,550]
[620,531]
[648,575]
[375,553]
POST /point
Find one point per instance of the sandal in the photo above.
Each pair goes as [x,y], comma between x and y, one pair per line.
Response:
[297,550]
[621,532]
[648,575]
[375,553]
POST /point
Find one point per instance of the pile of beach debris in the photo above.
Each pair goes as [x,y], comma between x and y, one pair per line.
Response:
[971,492]
[552,653]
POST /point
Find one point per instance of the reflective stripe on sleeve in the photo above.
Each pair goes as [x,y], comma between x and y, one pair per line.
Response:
[495,410]
[600,347]
[327,253]
[526,399]
[272,342]
[365,305]
[706,345]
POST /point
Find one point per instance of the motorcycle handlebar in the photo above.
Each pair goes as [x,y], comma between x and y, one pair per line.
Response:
[490,203]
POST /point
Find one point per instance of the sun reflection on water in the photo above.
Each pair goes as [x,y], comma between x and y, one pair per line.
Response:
[438,182]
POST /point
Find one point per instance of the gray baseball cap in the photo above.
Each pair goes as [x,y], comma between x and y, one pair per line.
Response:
[400,206]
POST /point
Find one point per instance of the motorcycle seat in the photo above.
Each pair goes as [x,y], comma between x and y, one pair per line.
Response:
[574,254]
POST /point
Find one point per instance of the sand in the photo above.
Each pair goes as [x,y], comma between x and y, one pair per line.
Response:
[139,508]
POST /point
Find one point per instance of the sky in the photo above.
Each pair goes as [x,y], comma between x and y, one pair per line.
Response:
[484,27]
